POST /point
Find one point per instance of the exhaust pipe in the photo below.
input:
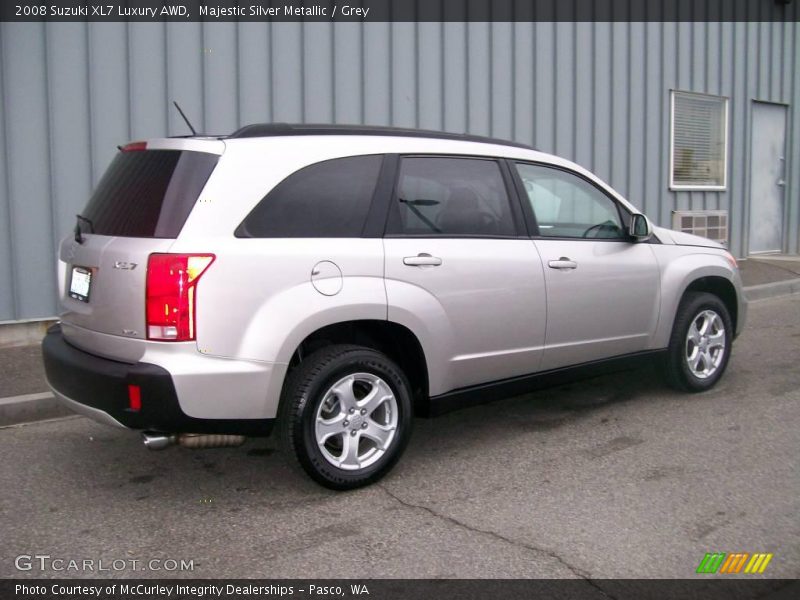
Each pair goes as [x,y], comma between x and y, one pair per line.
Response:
[157,441]
[213,440]
[160,441]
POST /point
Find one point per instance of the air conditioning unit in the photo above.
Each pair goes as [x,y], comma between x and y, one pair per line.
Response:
[712,224]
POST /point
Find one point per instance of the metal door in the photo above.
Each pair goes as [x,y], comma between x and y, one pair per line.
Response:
[602,288]
[602,301]
[767,178]
[460,275]
[480,304]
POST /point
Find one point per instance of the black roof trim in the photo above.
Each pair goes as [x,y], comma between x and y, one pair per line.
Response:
[289,129]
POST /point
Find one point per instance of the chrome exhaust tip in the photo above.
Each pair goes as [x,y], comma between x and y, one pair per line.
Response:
[157,441]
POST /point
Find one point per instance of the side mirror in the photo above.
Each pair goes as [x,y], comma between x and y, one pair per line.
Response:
[639,229]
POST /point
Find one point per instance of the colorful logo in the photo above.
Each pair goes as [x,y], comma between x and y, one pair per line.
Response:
[734,562]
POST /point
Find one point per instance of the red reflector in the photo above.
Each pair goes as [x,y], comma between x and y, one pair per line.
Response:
[134,146]
[171,297]
[135,397]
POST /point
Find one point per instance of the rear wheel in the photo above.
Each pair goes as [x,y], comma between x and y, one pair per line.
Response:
[700,344]
[346,416]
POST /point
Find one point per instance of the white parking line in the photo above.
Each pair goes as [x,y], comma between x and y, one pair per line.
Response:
[24,397]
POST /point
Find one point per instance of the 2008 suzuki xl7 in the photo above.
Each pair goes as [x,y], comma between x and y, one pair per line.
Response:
[337,280]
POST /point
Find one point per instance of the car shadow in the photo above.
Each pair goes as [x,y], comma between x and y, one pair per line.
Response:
[258,472]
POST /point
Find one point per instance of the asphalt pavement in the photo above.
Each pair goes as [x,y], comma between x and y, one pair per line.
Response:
[618,476]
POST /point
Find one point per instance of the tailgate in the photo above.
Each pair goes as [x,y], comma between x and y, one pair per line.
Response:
[114,301]
[138,208]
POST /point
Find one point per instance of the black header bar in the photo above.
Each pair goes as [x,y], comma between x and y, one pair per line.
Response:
[400,10]
[710,588]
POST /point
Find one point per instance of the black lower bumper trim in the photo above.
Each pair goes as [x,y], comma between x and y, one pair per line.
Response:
[102,384]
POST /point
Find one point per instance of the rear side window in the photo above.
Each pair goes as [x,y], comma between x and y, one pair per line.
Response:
[326,199]
[147,193]
[451,196]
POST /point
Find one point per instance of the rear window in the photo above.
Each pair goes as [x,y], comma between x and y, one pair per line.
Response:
[147,193]
[326,199]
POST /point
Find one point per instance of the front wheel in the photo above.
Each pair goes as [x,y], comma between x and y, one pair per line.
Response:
[700,345]
[346,416]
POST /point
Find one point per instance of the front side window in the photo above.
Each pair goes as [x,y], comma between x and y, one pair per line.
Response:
[699,141]
[324,200]
[567,206]
[451,196]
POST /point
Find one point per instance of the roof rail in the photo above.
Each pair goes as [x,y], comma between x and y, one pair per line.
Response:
[290,129]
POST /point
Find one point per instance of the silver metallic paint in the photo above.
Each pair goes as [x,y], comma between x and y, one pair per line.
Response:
[492,309]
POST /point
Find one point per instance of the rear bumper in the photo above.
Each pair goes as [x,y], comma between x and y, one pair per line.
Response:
[98,388]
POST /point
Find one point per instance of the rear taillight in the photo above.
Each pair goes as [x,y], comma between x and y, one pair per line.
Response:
[171,295]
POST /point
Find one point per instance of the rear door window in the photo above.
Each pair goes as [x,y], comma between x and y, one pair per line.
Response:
[327,199]
[450,197]
[147,193]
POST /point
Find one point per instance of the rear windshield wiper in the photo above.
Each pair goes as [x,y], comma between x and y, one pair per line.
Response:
[81,218]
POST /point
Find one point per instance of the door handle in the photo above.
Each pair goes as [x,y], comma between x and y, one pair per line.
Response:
[422,259]
[563,263]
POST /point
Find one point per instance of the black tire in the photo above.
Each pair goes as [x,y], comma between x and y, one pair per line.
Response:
[305,390]
[677,370]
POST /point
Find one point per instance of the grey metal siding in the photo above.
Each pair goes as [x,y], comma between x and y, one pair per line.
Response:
[597,93]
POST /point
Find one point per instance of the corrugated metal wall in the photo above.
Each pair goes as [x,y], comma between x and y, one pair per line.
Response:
[597,93]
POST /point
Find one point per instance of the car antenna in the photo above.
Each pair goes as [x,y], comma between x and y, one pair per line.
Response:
[184,117]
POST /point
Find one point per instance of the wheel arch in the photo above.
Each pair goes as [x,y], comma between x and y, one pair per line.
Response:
[695,272]
[398,342]
[720,287]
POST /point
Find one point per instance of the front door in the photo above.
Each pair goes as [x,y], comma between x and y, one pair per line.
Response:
[602,288]
[767,178]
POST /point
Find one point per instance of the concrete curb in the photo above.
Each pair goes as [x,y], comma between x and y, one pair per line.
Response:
[30,407]
[772,290]
[38,407]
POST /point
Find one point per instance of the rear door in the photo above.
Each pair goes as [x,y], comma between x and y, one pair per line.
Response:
[602,288]
[461,271]
[139,207]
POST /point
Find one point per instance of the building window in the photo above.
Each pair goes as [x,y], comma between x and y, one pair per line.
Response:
[699,142]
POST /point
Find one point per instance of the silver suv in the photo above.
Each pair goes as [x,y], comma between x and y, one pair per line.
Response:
[337,281]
